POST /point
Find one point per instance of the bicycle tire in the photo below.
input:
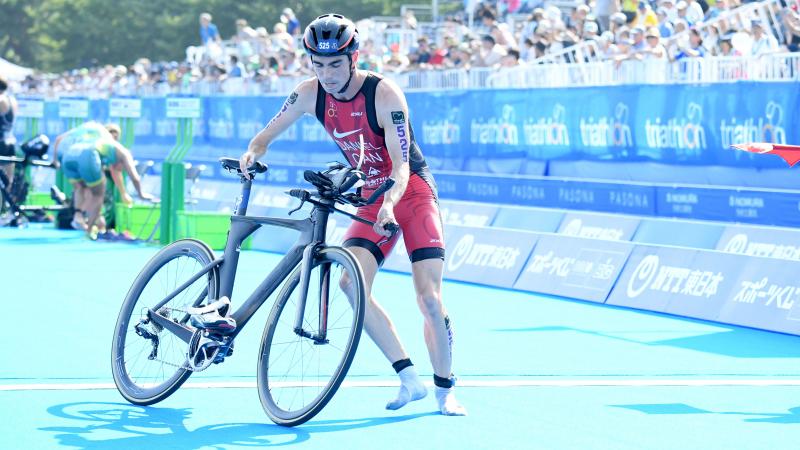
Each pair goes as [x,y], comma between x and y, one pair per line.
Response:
[125,342]
[270,377]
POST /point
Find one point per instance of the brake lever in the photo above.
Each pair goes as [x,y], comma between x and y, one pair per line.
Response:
[392,228]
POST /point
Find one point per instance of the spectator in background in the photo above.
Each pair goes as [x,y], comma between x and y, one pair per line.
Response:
[645,17]
[695,48]
[726,46]
[397,62]
[237,69]
[637,35]
[502,33]
[670,10]
[290,20]
[281,38]
[590,30]
[490,53]
[629,9]
[617,21]
[791,26]
[665,28]
[603,9]
[690,12]
[654,49]
[763,43]
[208,31]
[510,59]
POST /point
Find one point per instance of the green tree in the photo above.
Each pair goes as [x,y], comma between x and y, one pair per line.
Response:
[56,35]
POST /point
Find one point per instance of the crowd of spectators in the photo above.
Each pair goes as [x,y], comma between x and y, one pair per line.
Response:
[507,33]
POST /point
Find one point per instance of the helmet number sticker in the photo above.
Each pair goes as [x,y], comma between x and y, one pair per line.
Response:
[327,45]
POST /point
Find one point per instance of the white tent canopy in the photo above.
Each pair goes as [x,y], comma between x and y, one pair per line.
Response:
[12,71]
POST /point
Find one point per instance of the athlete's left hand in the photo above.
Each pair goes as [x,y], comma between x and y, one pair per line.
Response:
[385,215]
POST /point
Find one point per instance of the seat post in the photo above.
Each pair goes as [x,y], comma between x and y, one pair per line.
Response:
[244,199]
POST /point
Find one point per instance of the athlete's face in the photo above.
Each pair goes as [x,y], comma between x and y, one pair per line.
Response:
[333,71]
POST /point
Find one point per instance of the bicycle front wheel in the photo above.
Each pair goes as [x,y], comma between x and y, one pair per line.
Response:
[299,369]
[148,362]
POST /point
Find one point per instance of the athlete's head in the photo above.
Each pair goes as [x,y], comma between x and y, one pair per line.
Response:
[114,129]
[332,42]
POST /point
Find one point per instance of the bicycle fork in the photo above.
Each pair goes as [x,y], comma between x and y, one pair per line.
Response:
[324,291]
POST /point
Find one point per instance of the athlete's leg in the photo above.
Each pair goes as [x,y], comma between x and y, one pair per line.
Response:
[427,274]
[79,200]
[381,330]
[94,202]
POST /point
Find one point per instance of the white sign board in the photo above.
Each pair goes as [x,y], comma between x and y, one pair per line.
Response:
[183,107]
[73,107]
[30,107]
[125,107]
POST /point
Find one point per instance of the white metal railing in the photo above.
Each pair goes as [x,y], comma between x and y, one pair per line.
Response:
[720,69]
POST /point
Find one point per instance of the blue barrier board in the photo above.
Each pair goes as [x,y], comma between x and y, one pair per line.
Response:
[580,268]
[778,243]
[598,226]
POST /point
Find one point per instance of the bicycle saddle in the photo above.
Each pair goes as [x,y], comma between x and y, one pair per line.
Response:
[231,164]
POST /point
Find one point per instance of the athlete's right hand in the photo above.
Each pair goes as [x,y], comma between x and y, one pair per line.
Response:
[247,159]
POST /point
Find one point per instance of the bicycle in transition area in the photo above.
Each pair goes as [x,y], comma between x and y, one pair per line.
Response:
[176,318]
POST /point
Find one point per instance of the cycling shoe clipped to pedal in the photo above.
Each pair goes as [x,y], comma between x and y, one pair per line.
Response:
[208,317]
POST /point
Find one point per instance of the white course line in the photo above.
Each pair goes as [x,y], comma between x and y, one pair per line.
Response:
[461,383]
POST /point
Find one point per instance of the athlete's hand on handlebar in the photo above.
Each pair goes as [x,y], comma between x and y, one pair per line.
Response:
[385,222]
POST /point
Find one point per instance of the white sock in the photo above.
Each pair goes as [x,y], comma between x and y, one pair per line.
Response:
[448,405]
[411,388]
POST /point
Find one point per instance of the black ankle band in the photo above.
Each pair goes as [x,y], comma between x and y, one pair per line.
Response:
[401,364]
[446,383]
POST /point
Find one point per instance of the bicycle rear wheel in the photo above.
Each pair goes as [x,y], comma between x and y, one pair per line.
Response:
[149,362]
[298,372]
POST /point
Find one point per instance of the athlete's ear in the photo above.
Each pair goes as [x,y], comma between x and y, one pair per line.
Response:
[355,56]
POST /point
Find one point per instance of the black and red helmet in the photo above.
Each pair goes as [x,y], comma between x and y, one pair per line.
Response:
[331,35]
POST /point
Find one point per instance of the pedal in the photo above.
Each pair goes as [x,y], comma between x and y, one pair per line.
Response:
[209,318]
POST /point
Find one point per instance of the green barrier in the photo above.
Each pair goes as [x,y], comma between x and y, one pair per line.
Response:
[173,172]
[210,227]
[139,220]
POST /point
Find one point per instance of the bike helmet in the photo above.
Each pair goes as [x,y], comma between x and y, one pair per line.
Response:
[331,35]
[36,147]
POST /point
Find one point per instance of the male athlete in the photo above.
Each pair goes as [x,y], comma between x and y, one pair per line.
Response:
[350,102]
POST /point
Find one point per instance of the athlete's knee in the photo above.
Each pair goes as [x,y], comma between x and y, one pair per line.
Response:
[430,303]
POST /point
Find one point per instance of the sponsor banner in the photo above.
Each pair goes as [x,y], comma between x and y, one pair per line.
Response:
[30,107]
[674,124]
[765,295]
[183,107]
[681,281]
[486,255]
[768,242]
[548,192]
[73,107]
[741,205]
[598,226]
[467,214]
[125,107]
[585,269]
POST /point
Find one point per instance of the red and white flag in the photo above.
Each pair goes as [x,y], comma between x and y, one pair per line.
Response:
[789,153]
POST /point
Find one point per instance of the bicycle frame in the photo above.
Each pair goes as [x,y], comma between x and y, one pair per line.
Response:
[312,234]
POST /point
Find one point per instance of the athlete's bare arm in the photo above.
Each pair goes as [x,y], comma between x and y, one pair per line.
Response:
[301,101]
[392,111]
[125,162]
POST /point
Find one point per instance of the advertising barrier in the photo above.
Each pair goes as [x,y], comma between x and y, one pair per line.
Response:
[756,241]
[676,124]
[584,269]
